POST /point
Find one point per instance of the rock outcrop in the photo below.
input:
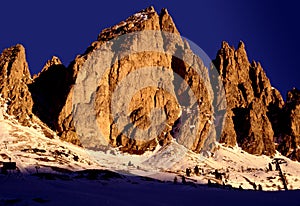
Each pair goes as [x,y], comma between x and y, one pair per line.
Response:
[251,101]
[14,77]
[147,99]
[289,139]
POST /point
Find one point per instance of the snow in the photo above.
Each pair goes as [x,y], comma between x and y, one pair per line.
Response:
[129,191]
[33,152]
[174,159]
[142,16]
[137,18]
[28,147]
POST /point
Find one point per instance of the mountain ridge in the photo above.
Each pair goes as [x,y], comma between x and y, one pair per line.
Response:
[254,113]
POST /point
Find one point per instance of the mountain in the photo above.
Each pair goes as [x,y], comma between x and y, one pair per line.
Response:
[15,77]
[251,101]
[149,98]
[151,76]
[257,118]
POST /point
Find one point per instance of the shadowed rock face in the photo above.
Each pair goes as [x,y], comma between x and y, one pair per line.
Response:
[289,139]
[14,77]
[49,89]
[252,102]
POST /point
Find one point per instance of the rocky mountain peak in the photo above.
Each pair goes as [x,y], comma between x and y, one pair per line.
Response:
[166,22]
[253,105]
[147,99]
[14,77]
[241,56]
[251,101]
[14,64]
[241,45]
[53,61]
[146,19]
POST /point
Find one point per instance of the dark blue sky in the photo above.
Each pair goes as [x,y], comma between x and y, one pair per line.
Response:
[270,29]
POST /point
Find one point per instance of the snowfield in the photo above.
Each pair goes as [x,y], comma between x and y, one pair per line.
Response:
[53,172]
[30,190]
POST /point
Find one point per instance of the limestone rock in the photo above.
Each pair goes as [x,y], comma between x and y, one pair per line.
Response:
[14,77]
[289,143]
[146,100]
[252,102]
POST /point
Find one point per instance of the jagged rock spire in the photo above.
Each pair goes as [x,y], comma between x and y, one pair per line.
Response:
[289,138]
[251,101]
[14,77]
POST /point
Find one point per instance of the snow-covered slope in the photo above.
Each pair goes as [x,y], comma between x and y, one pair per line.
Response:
[130,191]
[34,152]
[239,168]
[31,149]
